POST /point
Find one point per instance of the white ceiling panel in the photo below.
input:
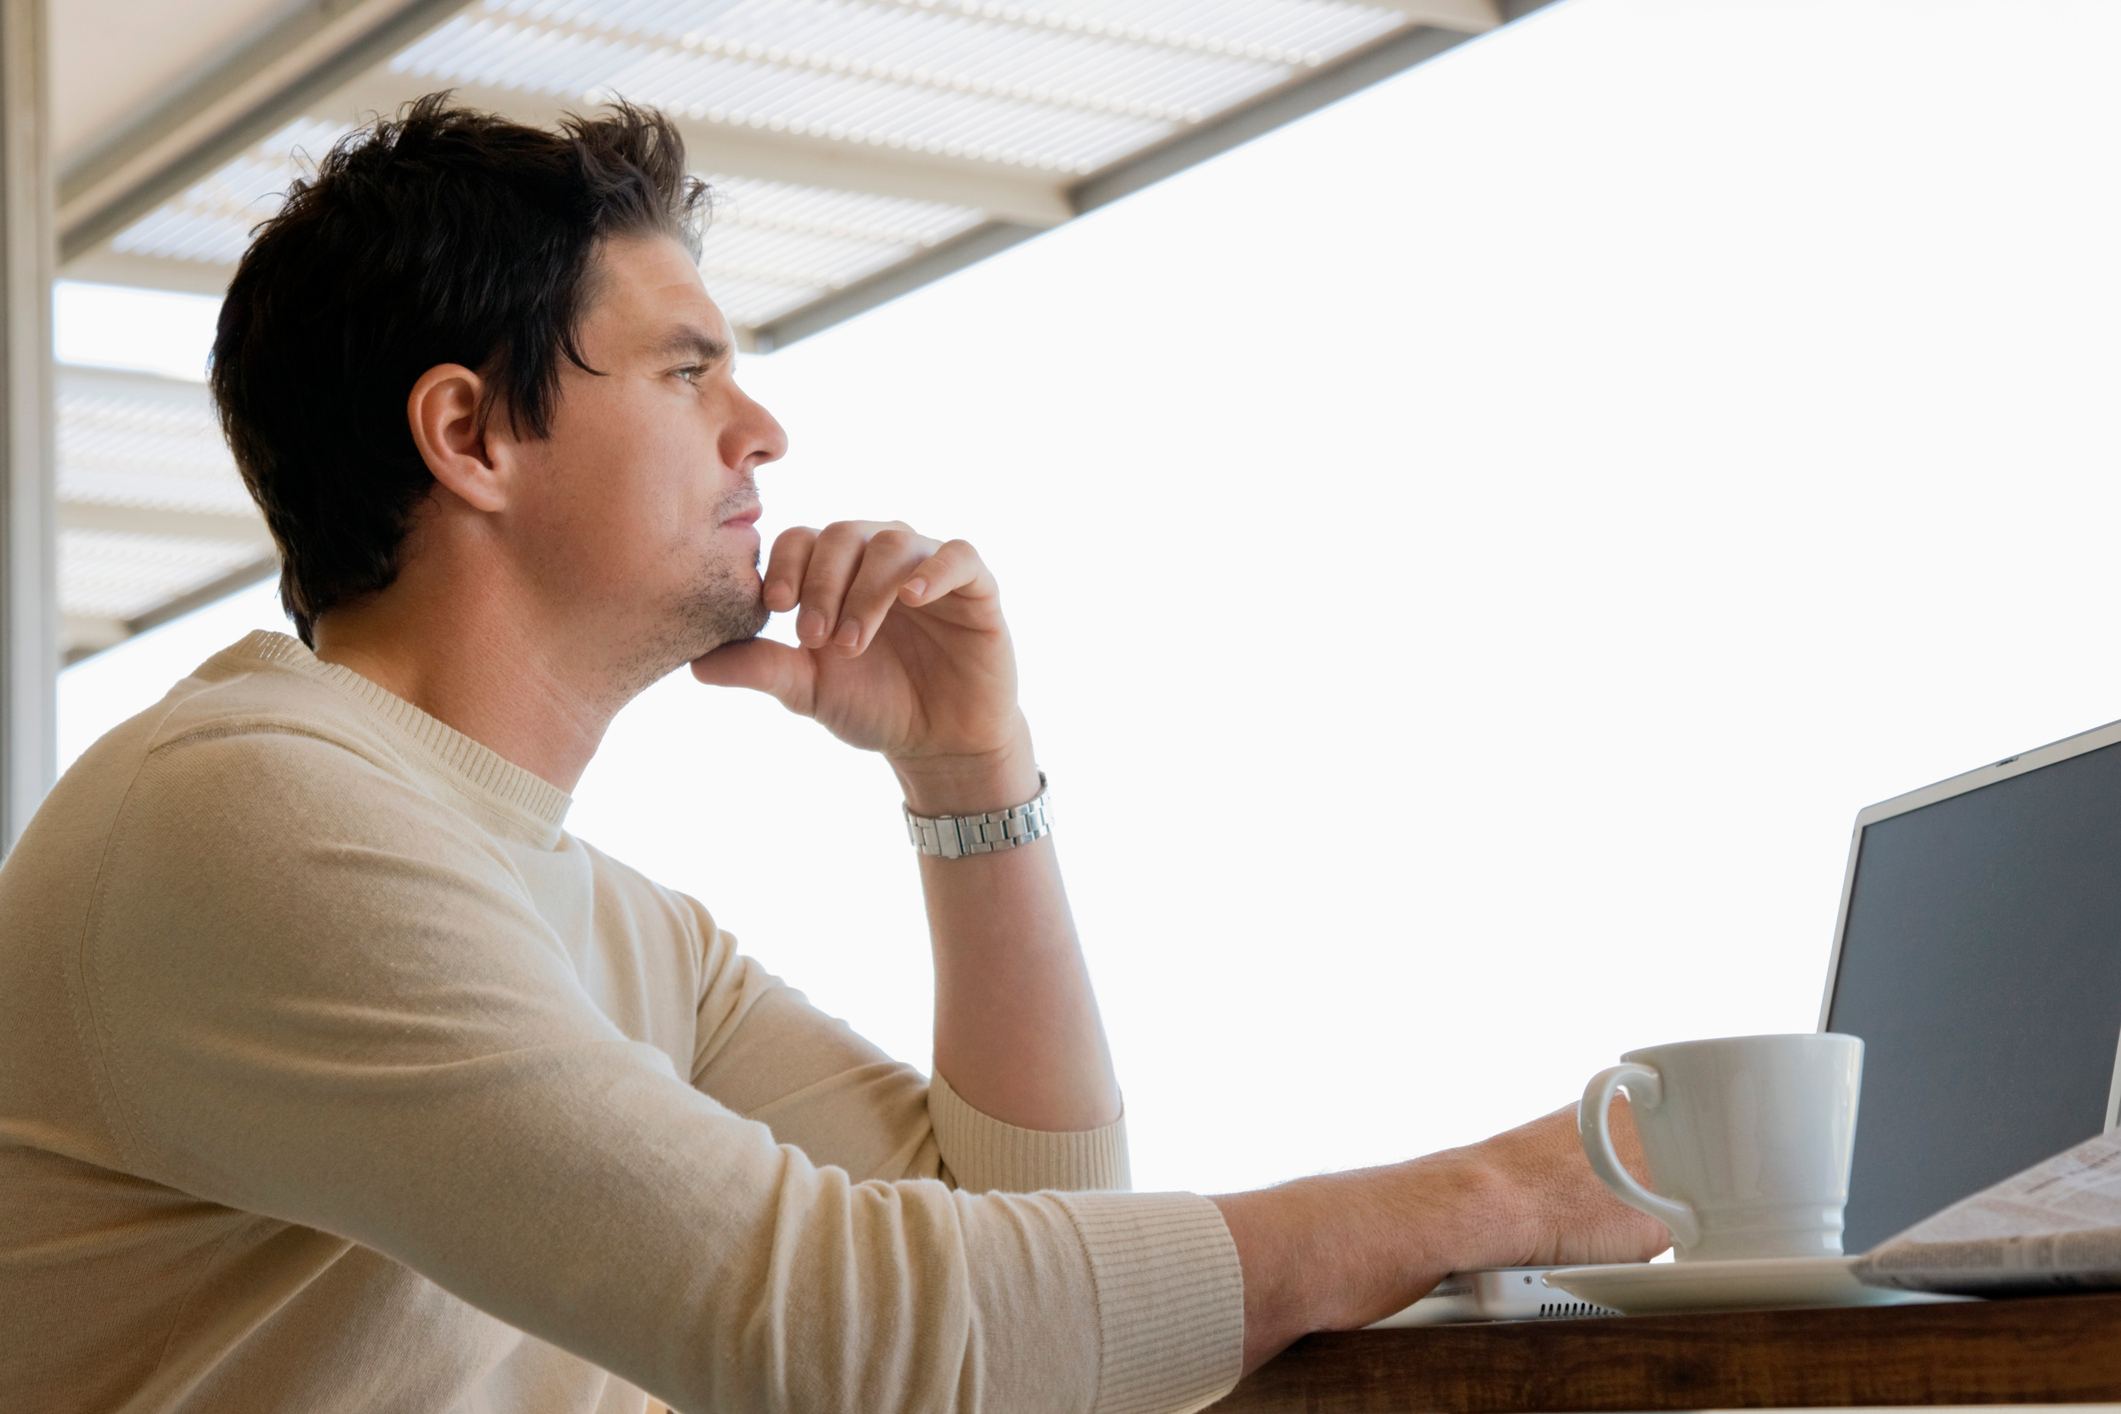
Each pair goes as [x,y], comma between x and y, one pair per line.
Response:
[120,576]
[140,441]
[209,224]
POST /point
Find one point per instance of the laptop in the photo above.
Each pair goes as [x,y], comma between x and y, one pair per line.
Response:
[1978,954]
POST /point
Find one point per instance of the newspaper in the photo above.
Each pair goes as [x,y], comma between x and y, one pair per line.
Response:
[2057,1224]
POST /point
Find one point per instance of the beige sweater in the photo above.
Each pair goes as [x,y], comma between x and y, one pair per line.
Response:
[336,1075]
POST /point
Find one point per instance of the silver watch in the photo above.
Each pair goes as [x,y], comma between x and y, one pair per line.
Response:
[953,836]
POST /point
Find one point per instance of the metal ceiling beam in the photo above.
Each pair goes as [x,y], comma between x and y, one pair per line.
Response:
[1355,71]
[1394,54]
[219,587]
[105,266]
[231,107]
[888,284]
[90,633]
[186,394]
[223,527]
[29,577]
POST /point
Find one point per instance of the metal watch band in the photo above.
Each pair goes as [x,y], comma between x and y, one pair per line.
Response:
[954,836]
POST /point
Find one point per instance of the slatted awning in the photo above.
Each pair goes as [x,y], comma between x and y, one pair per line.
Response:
[861,149]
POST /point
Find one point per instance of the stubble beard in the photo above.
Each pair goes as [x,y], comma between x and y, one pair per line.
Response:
[727,605]
[728,608]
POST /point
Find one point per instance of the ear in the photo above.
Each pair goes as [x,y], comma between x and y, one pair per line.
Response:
[443,410]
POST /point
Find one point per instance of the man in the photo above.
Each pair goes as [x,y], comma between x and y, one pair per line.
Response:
[337,1075]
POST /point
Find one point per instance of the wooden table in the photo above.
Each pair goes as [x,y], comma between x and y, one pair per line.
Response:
[2029,1350]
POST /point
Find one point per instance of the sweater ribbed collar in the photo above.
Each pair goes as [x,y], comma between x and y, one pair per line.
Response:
[478,770]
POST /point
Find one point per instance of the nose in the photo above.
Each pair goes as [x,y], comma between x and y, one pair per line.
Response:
[758,434]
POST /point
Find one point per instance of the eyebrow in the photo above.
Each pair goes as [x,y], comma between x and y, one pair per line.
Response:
[689,338]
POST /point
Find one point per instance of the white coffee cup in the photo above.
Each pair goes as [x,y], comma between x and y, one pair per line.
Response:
[1748,1139]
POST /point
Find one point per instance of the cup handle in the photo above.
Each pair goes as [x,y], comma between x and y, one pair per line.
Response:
[1592,1126]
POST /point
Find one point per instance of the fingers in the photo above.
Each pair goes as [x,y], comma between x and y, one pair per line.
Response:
[784,571]
[886,561]
[844,579]
[955,567]
[832,564]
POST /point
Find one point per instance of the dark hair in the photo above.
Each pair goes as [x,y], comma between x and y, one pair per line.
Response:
[444,236]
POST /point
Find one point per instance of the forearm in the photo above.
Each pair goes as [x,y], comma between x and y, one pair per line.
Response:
[1017,1029]
[1338,1251]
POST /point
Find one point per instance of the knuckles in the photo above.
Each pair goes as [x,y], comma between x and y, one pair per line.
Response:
[807,552]
[891,534]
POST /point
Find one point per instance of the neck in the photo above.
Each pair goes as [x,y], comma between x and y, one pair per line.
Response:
[475,662]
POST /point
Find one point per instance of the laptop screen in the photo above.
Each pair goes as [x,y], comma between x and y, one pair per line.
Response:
[1980,961]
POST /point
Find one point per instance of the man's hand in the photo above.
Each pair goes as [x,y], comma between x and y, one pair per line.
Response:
[1566,1214]
[903,650]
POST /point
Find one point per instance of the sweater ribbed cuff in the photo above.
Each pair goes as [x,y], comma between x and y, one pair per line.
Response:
[989,1155]
[1170,1299]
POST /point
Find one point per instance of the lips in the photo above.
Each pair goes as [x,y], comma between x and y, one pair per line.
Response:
[749,517]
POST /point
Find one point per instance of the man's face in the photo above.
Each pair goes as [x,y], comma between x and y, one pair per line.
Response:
[623,512]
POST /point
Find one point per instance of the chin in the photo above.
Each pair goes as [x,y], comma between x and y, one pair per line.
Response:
[754,625]
[725,609]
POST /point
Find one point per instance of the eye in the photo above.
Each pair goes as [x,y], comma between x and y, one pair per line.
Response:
[690,369]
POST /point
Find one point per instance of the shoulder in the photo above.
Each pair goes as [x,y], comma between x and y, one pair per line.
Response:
[621,887]
[264,773]
[290,818]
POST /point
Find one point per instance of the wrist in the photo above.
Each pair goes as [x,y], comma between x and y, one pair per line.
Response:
[970,783]
[1396,1230]
[1479,1217]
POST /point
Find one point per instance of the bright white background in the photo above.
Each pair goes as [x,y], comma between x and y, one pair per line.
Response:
[1471,553]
